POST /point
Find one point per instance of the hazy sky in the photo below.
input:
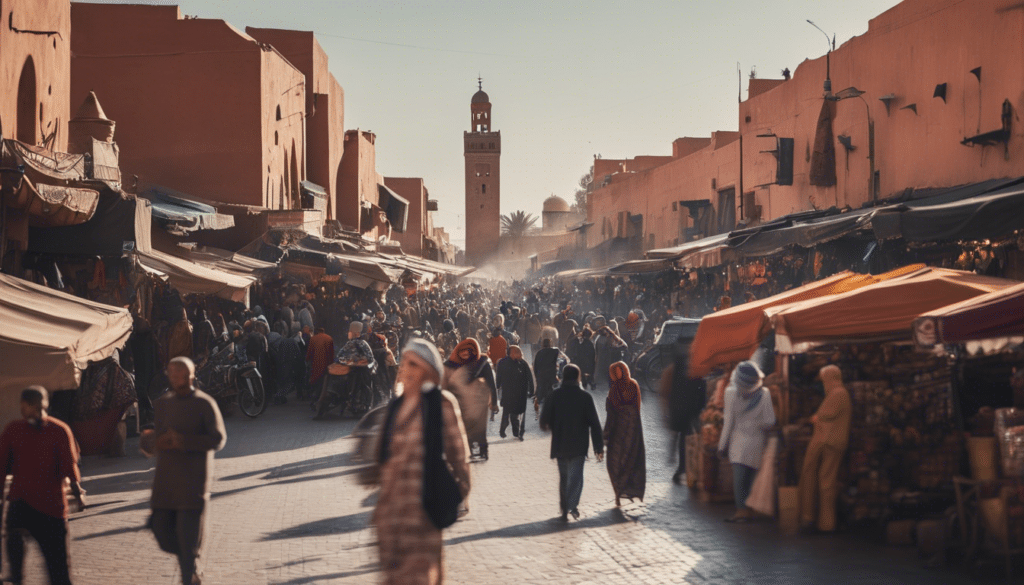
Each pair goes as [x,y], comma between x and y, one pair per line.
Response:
[567,80]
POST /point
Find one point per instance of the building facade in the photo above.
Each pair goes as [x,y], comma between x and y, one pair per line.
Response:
[35,71]
[325,106]
[917,102]
[482,148]
[201,107]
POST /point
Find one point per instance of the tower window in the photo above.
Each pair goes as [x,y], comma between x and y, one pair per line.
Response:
[492,145]
[483,188]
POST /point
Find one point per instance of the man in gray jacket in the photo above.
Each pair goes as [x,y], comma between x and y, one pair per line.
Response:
[189,429]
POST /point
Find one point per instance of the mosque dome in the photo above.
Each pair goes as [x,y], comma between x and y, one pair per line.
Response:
[480,97]
[556,204]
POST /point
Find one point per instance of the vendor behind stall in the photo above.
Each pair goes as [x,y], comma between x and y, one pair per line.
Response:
[825,453]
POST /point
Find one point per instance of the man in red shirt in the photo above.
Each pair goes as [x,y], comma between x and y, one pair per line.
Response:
[40,453]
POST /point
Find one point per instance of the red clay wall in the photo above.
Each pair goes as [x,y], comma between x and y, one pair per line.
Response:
[414,190]
[907,51]
[50,56]
[325,104]
[195,102]
[650,193]
[357,179]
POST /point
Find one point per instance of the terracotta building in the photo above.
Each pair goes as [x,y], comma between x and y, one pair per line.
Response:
[482,147]
[35,72]
[325,106]
[201,107]
[365,204]
[917,102]
[418,238]
[35,66]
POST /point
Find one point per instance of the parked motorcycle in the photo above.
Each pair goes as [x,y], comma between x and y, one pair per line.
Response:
[352,388]
[228,379]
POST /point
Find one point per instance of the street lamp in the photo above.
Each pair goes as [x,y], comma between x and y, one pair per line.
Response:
[853,92]
[828,58]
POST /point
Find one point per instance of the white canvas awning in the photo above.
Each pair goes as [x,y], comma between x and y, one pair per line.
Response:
[48,337]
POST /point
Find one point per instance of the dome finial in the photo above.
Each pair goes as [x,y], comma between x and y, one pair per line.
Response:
[479,82]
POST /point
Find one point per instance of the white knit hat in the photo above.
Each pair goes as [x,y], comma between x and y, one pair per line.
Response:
[426,350]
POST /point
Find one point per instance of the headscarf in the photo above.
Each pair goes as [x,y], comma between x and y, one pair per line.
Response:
[624,390]
[455,361]
[513,351]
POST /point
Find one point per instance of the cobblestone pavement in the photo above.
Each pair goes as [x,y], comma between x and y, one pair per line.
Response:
[286,510]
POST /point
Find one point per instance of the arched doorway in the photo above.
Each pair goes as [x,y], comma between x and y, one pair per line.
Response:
[27,128]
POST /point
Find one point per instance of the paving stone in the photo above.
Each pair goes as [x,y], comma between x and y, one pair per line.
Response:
[286,509]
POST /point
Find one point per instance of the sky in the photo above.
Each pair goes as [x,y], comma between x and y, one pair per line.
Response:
[567,80]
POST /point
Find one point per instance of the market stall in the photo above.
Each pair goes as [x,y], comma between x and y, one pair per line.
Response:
[732,335]
[49,338]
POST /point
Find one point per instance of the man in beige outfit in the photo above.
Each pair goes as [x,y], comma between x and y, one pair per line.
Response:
[828,445]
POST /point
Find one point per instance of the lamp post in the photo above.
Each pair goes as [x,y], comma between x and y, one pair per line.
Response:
[828,58]
[853,92]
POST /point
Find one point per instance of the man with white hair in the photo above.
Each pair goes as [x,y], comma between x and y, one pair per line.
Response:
[188,430]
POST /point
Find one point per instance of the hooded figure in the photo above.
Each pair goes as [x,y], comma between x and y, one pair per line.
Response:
[469,376]
[824,454]
[748,416]
[624,436]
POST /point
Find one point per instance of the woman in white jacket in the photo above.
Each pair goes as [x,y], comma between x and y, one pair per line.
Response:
[748,417]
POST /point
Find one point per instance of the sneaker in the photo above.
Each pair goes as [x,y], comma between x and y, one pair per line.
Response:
[575,514]
[502,434]
[521,437]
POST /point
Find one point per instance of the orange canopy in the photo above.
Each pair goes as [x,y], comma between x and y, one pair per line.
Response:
[883,310]
[732,335]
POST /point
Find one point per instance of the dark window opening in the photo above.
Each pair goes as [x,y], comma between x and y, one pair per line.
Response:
[483,188]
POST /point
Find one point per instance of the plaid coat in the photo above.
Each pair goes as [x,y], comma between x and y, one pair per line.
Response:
[410,545]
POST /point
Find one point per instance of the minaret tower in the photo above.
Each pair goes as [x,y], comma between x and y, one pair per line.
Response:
[482,148]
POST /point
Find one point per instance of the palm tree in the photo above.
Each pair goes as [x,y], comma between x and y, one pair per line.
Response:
[516,224]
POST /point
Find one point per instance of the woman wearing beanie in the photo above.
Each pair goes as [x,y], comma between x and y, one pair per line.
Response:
[748,416]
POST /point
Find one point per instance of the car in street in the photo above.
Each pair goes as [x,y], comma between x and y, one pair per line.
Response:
[650,364]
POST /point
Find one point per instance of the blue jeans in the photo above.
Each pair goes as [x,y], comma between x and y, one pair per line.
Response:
[570,482]
[742,480]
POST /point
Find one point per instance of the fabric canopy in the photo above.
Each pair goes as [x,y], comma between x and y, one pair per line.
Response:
[688,247]
[809,233]
[990,316]
[184,215]
[191,278]
[979,218]
[733,334]
[884,310]
[48,337]
[119,220]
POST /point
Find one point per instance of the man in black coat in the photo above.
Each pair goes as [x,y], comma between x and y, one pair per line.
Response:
[515,383]
[570,414]
[545,368]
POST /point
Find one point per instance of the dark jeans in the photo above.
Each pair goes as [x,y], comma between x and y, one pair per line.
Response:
[518,422]
[742,480]
[179,532]
[51,534]
[570,482]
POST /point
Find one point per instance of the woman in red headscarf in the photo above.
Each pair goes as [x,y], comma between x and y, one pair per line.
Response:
[469,376]
[624,436]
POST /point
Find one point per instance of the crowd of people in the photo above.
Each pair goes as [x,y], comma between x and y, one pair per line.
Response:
[444,363]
